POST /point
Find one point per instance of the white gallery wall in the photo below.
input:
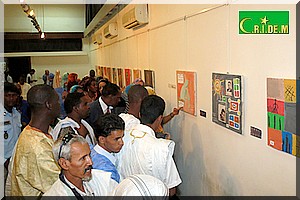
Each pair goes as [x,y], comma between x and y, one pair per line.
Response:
[211,159]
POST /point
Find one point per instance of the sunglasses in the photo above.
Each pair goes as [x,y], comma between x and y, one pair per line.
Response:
[65,141]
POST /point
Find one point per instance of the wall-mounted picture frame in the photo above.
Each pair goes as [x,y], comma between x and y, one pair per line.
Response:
[115,75]
[149,78]
[120,78]
[227,101]
[137,73]
[186,91]
[128,76]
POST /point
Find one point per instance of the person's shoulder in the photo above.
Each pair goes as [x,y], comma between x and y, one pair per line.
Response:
[55,190]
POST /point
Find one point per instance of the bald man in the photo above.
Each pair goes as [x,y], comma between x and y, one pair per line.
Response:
[33,170]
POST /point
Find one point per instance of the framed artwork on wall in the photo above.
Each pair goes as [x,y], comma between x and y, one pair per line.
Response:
[282,98]
[186,91]
[98,70]
[115,75]
[149,78]
[137,73]
[104,71]
[227,101]
[109,73]
[128,77]
[120,78]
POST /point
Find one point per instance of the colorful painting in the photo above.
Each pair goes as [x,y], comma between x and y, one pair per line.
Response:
[120,78]
[137,73]
[115,76]
[149,78]
[227,101]
[128,76]
[281,112]
[186,91]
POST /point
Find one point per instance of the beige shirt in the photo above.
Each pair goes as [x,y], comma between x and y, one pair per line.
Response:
[32,170]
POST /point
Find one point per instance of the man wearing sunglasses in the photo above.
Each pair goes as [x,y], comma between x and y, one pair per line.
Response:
[77,178]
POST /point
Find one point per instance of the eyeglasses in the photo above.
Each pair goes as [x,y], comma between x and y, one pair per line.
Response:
[65,141]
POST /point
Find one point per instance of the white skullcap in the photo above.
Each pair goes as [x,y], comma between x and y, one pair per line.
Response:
[141,185]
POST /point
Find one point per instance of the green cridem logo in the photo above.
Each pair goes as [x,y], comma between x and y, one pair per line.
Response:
[263,22]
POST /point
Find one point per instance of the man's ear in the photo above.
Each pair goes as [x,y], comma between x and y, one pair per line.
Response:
[64,163]
[75,108]
[48,105]
[101,139]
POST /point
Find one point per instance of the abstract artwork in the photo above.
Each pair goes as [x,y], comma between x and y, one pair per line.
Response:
[120,78]
[137,73]
[281,112]
[149,78]
[186,91]
[227,101]
[128,76]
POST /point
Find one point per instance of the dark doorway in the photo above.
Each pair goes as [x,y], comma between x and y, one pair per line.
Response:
[18,66]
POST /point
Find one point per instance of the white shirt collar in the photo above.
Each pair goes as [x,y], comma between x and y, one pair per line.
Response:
[105,153]
[87,189]
[103,105]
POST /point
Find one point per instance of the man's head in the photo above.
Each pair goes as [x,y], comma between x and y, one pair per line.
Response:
[11,94]
[43,100]
[139,81]
[111,94]
[22,79]
[78,104]
[136,94]
[92,73]
[109,131]
[47,72]
[72,153]
[32,71]
[152,109]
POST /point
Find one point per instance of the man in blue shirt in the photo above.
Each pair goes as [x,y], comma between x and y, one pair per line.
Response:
[12,121]
[109,131]
[48,78]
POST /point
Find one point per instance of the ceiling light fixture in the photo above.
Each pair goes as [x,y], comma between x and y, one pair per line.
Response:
[30,14]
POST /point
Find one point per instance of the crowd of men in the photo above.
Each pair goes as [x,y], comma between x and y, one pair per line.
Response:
[102,146]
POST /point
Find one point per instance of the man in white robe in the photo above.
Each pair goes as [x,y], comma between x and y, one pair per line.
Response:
[77,178]
[146,154]
[77,109]
[136,94]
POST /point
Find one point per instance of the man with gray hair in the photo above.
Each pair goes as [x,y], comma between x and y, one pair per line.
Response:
[77,178]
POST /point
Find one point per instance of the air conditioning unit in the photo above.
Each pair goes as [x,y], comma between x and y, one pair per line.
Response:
[135,17]
[97,39]
[111,30]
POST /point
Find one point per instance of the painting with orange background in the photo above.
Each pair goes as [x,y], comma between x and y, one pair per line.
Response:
[137,73]
[186,91]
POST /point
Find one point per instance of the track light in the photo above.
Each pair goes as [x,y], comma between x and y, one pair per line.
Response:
[30,14]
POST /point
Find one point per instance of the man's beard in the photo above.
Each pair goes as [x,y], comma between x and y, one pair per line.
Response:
[87,178]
